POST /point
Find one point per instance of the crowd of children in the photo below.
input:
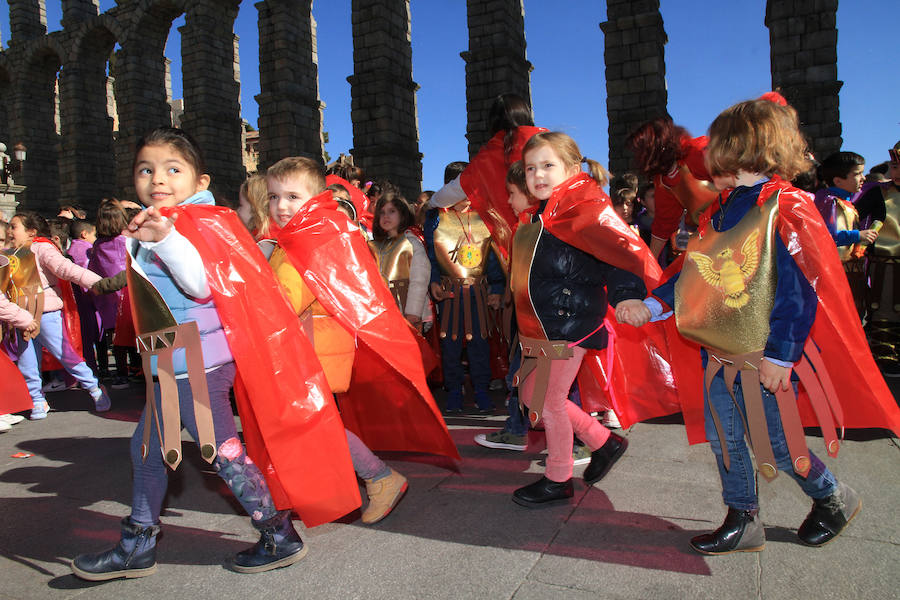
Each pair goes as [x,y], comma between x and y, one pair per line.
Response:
[323,300]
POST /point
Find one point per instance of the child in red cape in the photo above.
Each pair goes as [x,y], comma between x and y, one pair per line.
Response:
[763,291]
[365,345]
[207,269]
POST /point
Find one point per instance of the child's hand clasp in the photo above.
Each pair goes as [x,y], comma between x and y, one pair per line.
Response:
[632,312]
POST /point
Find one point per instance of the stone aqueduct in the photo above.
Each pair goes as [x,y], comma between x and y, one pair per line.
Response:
[86,160]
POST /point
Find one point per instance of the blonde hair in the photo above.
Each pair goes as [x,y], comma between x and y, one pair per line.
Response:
[254,189]
[567,150]
[302,167]
[757,136]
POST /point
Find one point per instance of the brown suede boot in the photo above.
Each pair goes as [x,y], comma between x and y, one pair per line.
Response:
[384,495]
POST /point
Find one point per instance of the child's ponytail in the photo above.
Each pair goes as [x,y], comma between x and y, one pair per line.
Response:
[597,171]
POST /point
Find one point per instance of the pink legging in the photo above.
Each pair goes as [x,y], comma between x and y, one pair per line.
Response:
[562,417]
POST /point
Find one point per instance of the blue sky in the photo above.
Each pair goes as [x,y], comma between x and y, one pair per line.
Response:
[718,54]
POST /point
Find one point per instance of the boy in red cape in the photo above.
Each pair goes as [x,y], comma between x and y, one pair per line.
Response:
[364,343]
[763,291]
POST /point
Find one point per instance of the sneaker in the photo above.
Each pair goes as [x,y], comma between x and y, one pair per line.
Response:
[581,454]
[611,420]
[384,495]
[55,385]
[39,411]
[502,439]
[101,399]
[120,382]
[11,419]
[4,427]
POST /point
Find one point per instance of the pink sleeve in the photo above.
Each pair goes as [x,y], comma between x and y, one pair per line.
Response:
[13,313]
[54,262]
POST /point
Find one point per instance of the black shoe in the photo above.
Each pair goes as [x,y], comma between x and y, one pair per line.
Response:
[133,556]
[829,516]
[603,458]
[543,492]
[742,531]
[279,545]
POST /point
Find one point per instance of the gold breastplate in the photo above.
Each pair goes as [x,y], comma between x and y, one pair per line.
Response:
[726,290]
[462,243]
[524,246]
[21,275]
[888,242]
[393,257]
[845,219]
[693,194]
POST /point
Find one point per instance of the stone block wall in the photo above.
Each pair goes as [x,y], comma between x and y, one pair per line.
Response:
[803,51]
[290,112]
[634,52]
[495,62]
[383,95]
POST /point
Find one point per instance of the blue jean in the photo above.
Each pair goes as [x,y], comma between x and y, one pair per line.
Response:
[243,477]
[739,482]
[479,352]
[516,424]
[52,337]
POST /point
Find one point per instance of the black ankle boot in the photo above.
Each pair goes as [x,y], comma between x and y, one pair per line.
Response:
[742,531]
[829,516]
[133,556]
[279,545]
[543,492]
[604,457]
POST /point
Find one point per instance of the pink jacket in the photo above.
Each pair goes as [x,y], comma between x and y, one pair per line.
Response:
[53,266]
[13,313]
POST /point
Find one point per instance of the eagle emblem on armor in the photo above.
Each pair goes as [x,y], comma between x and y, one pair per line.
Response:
[731,277]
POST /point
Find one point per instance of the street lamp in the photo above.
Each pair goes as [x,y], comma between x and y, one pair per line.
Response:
[11,165]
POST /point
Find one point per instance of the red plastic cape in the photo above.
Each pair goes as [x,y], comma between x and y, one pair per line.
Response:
[70,319]
[359,199]
[634,375]
[291,425]
[484,182]
[388,404]
[14,397]
[862,392]
[668,208]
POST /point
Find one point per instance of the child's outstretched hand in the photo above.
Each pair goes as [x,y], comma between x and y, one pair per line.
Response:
[632,312]
[773,376]
[149,226]
[868,236]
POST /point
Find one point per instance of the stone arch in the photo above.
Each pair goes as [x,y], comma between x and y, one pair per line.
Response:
[140,80]
[5,101]
[87,161]
[34,121]
[212,109]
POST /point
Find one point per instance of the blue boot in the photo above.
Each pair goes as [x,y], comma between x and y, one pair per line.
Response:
[279,545]
[133,556]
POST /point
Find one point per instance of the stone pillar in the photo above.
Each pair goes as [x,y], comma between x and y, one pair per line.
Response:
[76,11]
[87,160]
[34,107]
[803,41]
[140,90]
[383,95]
[212,112]
[290,112]
[27,20]
[495,62]
[634,52]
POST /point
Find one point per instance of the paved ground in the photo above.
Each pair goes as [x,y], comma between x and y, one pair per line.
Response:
[456,534]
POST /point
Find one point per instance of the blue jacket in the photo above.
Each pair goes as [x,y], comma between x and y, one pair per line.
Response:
[184,306]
